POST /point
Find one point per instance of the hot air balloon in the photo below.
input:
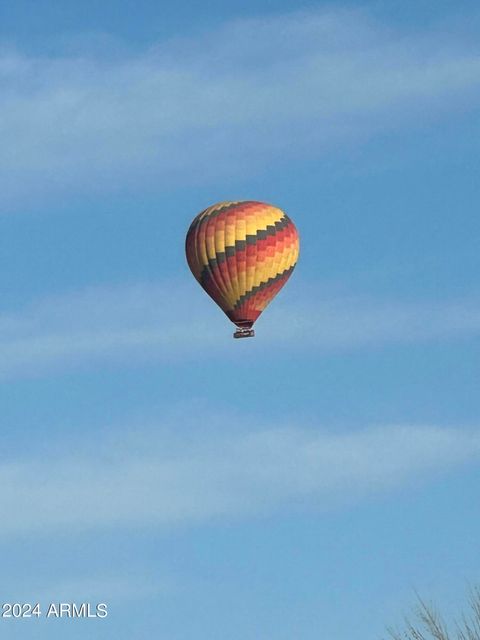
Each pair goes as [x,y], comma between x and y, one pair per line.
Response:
[242,253]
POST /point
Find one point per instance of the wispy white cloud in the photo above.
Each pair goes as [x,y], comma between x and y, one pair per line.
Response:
[352,322]
[230,100]
[167,322]
[155,478]
[116,324]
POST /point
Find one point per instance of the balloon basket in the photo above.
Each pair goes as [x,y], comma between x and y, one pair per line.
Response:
[244,333]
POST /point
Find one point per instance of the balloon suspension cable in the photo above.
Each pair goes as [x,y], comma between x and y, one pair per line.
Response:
[244,332]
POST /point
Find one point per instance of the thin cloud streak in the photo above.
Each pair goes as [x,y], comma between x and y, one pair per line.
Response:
[124,326]
[154,480]
[352,322]
[228,102]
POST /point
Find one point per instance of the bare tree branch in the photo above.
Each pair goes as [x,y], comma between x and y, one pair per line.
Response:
[429,624]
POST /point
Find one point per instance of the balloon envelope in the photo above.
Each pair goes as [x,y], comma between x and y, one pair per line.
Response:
[242,253]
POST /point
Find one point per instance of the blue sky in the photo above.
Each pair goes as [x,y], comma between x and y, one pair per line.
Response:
[299,485]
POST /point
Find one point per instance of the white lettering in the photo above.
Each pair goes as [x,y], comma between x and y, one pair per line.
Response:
[79,611]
